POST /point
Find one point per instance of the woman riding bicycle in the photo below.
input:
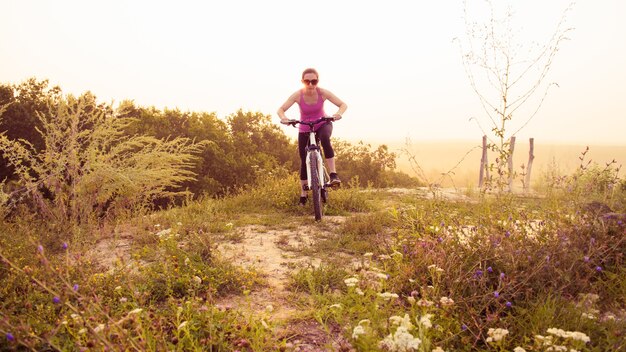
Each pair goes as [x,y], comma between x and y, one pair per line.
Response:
[311,100]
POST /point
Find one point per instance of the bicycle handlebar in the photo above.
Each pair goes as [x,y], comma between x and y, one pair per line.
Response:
[310,123]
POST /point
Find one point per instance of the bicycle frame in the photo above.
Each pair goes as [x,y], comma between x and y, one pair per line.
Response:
[316,172]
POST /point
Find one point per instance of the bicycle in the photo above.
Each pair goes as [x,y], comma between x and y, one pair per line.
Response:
[317,177]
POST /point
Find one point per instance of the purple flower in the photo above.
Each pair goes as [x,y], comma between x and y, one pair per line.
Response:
[40,249]
[56,300]
[75,287]
[598,268]
[509,304]
[414,293]
[496,294]
[439,239]
[620,222]
[10,337]
[478,273]
[463,327]
[64,245]
[507,234]
[502,276]
[586,258]
[489,269]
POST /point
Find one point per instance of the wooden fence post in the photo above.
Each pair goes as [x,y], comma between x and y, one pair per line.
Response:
[484,169]
[510,162]
[531,157]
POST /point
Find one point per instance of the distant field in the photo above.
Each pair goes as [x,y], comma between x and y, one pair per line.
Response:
[436,158]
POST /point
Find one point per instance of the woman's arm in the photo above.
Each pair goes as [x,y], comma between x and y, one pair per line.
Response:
[338,102]
[290,101]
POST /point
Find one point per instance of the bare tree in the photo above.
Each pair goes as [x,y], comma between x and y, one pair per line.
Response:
[507,75]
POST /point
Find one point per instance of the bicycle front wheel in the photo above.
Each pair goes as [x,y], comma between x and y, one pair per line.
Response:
[316,187]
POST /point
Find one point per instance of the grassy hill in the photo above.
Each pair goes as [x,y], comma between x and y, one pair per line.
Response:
[393,270]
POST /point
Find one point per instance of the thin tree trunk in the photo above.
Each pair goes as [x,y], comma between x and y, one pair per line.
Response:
[484,171]
[510,162]
[531,157]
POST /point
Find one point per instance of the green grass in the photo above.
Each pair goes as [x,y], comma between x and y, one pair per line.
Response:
[393,270]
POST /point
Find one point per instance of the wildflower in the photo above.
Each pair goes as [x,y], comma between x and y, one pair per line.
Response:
[425,321]
[123,299]
[497,334]
[519,349]
[435,268]
[364,321]
[56,300]
[496,294]
[182,325]
[117,288]
[359,292]
[508,304]
[411,300]
[489,269]
[269,308]
[135,311]
[229,225]
[10,337]
[507,234]
[197,280]
[75,287]
[368,254]
[351,281]
[179,223]
[64,245]
[425,303]
[401,340]
[478,273]
[163,232]
[40,249]
[586,259]
[336,305]
[82,331]
[384,257]
[388,295]
[397,254]
[402,321]
[446,302]
[463,327]
[98,328]
[598,268]
[382,276]
[265,325]
[502,276]
[358,330]
[187,260]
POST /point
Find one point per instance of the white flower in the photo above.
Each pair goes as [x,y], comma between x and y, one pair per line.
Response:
[388,295]
[269,308]
[400,341]
[519,349]
[358,330]
[82,331]
[364,321]
[402,321]
[182,325]
[411,300]
[384,257]
[396,254]
[179,223]
[163,232]
[446,302]
[118,288]
[381,276]
[187,261]
[359,292]
[98,328]
[425,321]
[368,254]
[135,311]
[265,325]
[435,268]
[197,280]
[497,334]
[351,281]
[123,299]
[425,303]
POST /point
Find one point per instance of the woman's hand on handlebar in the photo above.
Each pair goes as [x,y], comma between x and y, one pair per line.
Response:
[336,117]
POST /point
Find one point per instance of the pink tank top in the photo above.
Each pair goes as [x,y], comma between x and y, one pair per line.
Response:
[311,112]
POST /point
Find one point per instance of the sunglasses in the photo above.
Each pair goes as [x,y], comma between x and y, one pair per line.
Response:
[310,81]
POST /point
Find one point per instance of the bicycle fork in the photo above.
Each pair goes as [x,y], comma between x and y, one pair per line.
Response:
[314,149]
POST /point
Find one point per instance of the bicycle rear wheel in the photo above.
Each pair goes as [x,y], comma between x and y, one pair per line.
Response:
[316,187]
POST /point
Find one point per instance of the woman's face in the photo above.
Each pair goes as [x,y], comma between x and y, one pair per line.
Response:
[310,81]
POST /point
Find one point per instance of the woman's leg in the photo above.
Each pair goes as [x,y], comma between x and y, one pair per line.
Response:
[303,140]
[323,134]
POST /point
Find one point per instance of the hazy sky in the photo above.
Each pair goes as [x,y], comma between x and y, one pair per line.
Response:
[393,62]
